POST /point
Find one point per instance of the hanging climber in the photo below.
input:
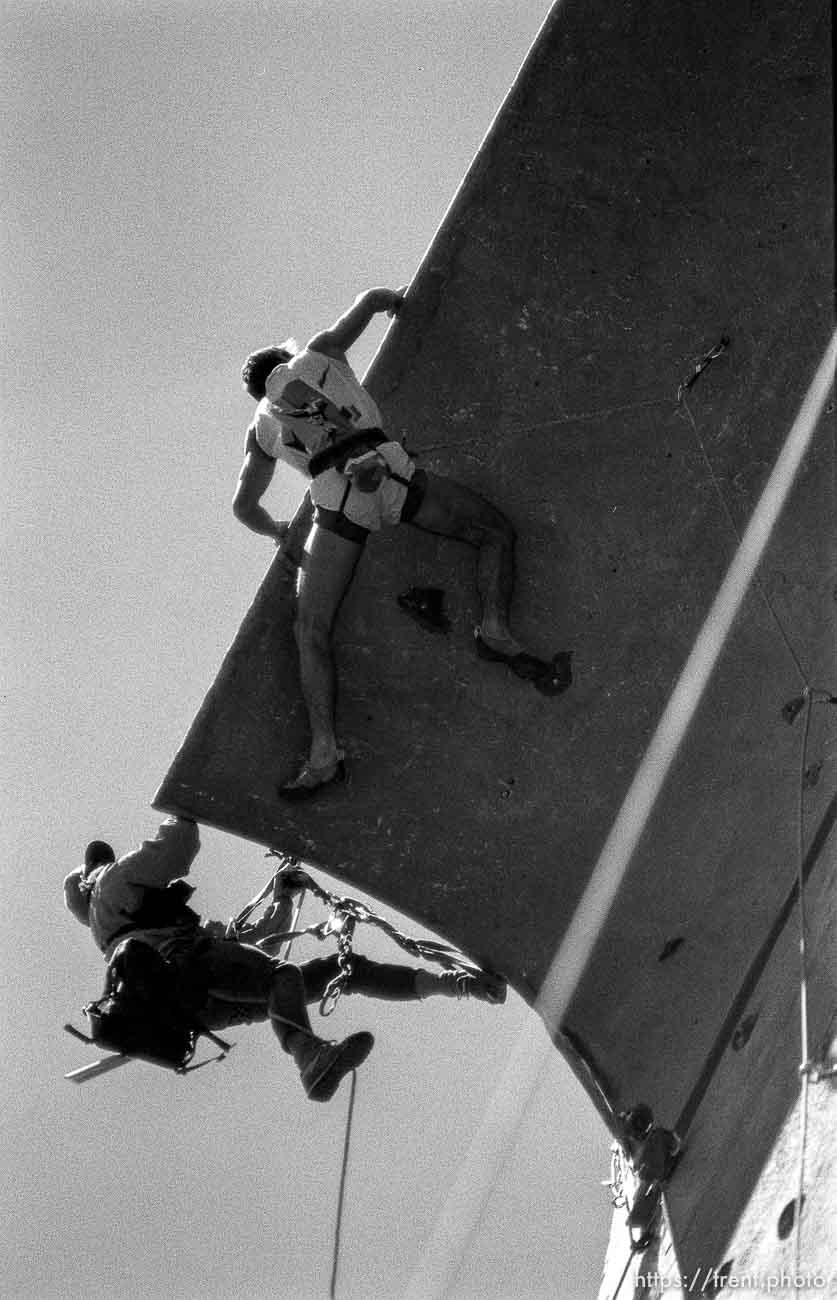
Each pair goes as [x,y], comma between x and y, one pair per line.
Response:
[141,901]
[653,1152]
[314,415]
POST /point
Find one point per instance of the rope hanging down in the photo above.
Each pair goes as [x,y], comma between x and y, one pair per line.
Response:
[238,928]
[345,914]
[341,1196]
[809,1071]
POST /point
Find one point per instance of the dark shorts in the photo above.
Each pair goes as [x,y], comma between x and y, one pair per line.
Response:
[335,521]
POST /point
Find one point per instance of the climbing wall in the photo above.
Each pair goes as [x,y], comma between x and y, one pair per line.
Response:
[655,191]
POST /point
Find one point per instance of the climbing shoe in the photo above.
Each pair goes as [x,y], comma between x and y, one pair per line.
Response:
[481,985]
[549,676]
[325,1064]
[312,781]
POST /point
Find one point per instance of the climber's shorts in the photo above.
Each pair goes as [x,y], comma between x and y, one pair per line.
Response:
[340,507]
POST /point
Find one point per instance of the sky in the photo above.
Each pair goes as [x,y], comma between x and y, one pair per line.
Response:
[183,182]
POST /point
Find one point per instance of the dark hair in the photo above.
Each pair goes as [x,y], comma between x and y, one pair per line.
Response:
[258,366]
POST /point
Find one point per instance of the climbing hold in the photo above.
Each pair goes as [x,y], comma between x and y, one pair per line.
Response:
[792,708]
[670,948]
[788,1217]
[424,604]
[742,1034]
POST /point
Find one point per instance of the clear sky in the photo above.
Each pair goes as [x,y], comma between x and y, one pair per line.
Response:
[182,182]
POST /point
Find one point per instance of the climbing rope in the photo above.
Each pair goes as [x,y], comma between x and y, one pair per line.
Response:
[237,926]
[804,1067]
[633,1251]
[341,1196]
[808,1071]
[344,916]
[806,701]
[624,1274]
[619,1200]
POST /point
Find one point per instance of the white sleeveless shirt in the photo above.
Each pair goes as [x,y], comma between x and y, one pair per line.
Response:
[290,429]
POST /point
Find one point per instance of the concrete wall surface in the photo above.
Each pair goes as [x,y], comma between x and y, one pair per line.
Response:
[658,179]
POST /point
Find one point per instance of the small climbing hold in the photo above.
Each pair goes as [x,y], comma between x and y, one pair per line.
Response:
[742,1034]
[425,605]
[787,1218]
[793,708]
[670,947]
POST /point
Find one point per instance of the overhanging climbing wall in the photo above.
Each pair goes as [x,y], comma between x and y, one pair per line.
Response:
[658,179]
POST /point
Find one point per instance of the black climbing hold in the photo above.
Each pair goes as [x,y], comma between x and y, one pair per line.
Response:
[742,1034]
[670,948]
[788,1217]
[792,708]
[425,605]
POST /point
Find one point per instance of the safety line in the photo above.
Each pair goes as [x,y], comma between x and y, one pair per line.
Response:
[803,995]
[466,1198]
[755,972]
[615,1295]
[342,1193]
[591,913]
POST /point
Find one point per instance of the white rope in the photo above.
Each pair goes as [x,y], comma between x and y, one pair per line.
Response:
[624,1274]
[285,956]
[465,1202]
[804,1067]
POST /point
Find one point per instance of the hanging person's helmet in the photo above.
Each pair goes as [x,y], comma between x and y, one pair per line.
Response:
[78,885]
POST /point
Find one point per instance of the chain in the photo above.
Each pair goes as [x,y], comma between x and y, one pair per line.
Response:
[344,923]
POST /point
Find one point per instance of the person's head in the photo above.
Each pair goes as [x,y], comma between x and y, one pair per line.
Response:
[78,885]
[638,1121]
[260,363]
